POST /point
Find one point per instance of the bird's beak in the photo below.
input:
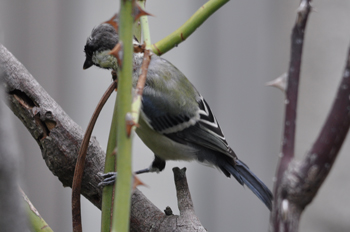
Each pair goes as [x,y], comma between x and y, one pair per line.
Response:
[88,63]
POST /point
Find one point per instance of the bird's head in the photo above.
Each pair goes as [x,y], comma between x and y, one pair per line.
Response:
[102,40]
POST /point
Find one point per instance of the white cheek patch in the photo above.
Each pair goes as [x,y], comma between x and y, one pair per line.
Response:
[105,60]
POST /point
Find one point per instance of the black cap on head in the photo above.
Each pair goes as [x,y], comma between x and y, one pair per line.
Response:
[103,38]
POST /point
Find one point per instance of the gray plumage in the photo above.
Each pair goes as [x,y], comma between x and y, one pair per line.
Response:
[176,123]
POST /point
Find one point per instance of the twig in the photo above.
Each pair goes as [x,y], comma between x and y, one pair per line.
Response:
[145,28]
[35,219]
[288,140]
[298,182]
[303,179]
[79,167]
[292,88]
[187,220]
[59,148]
[183,32]
[136,105]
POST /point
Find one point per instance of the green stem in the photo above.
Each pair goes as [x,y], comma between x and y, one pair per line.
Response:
[137,24]
[107,193]
[122,201]
[36,221]
[188,27]
[145,28]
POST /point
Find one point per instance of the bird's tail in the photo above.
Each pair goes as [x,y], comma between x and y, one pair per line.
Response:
[244,176]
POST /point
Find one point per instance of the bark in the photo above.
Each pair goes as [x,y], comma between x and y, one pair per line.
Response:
[299,181]
[59,139]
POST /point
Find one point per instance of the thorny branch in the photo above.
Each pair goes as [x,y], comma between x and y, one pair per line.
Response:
[298,182]
[59,138]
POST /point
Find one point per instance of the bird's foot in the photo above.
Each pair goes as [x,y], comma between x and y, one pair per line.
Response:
[109,178]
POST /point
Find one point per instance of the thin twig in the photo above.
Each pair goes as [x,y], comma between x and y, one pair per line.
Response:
[59,149]
[288,141]
[136,105]
[79,167]
[35,219]
[187,220]
[299,181]
[183,32]
[292,87]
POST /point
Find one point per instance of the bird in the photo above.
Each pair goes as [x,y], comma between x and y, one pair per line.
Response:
[175,121]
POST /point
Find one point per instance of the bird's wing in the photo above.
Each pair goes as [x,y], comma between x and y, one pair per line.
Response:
[166,115]
[172,106]
[198,126]
[169,100]
[206,132]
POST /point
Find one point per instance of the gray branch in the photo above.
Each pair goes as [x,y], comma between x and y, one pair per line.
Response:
[59,138]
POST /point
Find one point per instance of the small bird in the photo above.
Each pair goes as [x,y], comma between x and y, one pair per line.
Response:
[176,123]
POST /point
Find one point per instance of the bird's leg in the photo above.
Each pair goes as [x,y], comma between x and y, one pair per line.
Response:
[157,165]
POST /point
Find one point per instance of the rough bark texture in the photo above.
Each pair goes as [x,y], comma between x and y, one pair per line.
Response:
[57,135]
[59,139]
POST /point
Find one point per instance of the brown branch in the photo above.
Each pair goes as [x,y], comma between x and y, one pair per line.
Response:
[79,167]
[288,141]
[303,179]
[59,147]
[186,221]
[57,135]
[319,160]
[144,69]
[299,181]
[292,88]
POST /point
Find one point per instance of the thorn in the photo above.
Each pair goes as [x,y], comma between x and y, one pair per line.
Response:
[113,21]
[130,123]
[280,82]
[314,10]
[117,52]
[137,182]
[138,12]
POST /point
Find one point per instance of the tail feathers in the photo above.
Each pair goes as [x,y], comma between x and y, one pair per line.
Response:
[244,176]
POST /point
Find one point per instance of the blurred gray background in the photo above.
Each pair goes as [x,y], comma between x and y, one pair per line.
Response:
[229,59]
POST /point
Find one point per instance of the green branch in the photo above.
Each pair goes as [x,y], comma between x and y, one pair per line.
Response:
[35,220]
[183,32]
[107,192]
[122,201]
[145,28]
[123,106]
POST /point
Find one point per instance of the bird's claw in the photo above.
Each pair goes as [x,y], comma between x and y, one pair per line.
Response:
[109,178]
